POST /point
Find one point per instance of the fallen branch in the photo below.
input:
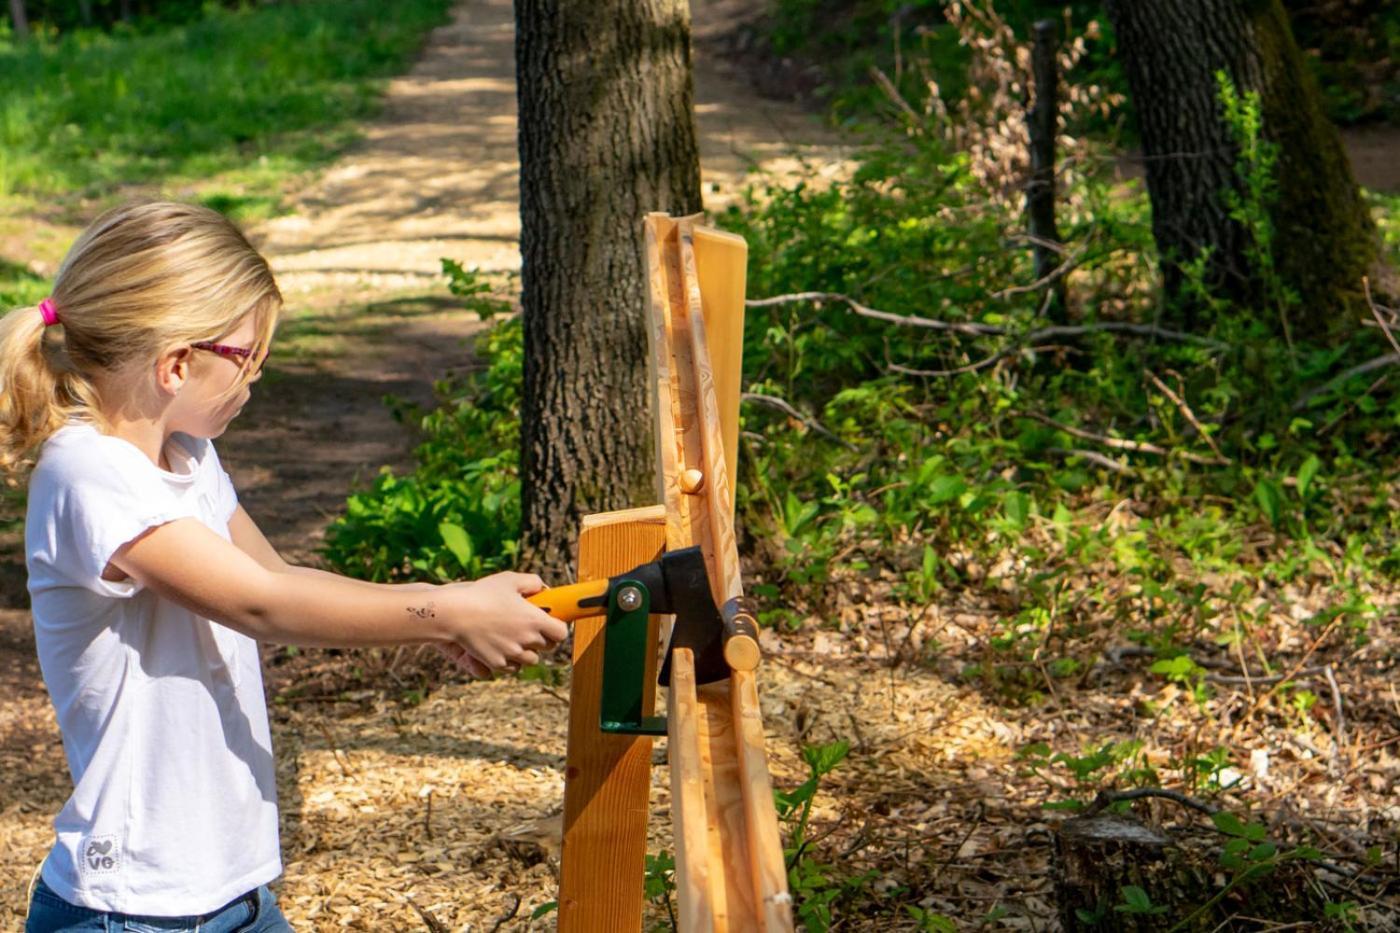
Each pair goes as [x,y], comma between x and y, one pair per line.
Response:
[433,923]
[509,915]
[1106,798]
[1118,443]
[785,407]
[1186,412]
[985,330]
[1380,362]
[1107,463]
[1050,278]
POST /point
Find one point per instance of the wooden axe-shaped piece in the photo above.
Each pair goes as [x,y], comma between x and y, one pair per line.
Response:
[723,638]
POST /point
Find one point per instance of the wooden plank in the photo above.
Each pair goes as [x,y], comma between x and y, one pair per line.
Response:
[607,778]
[721,264]
[764,844]
[734,905]
[695,892]
[717,540]
[672,379]
[730,871]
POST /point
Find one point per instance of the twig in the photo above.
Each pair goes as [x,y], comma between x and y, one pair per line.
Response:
[1376,313]
[1390,359]
[1248,678]
[1092,456]
[434,924]
[1340,738]
[975,329]
[1118,443]
[1106,798]
[784,406]
[508,916]
[937,373]
[1050,278]
[1186,412]
[905,320]
[335,752]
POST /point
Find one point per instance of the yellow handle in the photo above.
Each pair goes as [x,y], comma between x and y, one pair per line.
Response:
[567,602]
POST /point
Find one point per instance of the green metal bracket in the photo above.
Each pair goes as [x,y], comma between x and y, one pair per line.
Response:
[624,663]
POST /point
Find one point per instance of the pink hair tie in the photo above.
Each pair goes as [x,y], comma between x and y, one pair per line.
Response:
[48,312]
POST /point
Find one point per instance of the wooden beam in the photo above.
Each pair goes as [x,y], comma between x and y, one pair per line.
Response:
[717,540]
[721,266]
[607,778]
[690,821]
[765,845]
[729,861]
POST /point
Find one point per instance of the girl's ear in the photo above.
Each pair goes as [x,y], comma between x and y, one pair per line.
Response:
[172,369]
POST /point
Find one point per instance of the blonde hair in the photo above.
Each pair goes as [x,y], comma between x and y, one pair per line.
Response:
[139,280]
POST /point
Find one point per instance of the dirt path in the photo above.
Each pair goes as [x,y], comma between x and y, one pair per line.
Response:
[388,808]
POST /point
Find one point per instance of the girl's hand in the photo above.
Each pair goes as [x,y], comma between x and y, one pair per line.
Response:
[493,623]
[458,656]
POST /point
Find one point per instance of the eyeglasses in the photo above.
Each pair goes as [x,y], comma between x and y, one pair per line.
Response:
[239,354]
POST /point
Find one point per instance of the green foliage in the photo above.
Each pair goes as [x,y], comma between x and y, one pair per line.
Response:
[817,888]
[457,515]
[659,883]
[272,86]
[476,292]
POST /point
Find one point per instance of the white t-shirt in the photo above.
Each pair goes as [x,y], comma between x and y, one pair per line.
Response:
[174,806]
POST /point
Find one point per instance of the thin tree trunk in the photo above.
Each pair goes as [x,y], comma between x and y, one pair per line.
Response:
[1324,240]
[607,134]
[20,20]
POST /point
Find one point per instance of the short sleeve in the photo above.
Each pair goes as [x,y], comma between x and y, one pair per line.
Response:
[88,500]
[225,496]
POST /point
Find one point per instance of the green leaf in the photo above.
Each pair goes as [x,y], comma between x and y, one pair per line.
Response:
[823,758]
[457,540]
[1262,852]
[1270,500]
[1017,509]
[543,909]
[1228,823]
[945,489]
[1306,472]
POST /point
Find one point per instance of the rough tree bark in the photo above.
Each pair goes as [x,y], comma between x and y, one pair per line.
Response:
[1324,240]
[607,133]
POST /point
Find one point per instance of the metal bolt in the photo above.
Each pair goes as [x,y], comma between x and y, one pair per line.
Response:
[629,598]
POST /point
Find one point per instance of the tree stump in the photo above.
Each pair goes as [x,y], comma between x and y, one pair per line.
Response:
[1098,858]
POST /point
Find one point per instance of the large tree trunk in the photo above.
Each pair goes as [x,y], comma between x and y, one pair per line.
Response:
[607,133]
[20,20]
[1324,241]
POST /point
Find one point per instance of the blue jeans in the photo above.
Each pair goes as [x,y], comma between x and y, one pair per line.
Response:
[254,912]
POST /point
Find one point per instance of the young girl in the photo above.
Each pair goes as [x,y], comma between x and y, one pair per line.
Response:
[151,586]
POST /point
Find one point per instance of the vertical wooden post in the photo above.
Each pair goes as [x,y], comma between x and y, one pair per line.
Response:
[1042,121]
[607,778]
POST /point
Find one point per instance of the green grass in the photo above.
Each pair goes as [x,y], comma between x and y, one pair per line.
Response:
[251,94]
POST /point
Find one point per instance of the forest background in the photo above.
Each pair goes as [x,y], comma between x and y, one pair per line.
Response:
[1133,554]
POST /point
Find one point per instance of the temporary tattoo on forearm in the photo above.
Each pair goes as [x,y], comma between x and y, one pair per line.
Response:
[424,612]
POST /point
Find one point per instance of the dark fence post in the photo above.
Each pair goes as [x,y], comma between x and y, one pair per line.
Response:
[1042,120]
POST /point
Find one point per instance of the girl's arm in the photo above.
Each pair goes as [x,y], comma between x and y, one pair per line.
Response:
[251,541]
[488,619]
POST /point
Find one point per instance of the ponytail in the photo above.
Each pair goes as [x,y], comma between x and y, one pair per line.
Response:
[40,389]
[140,279]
